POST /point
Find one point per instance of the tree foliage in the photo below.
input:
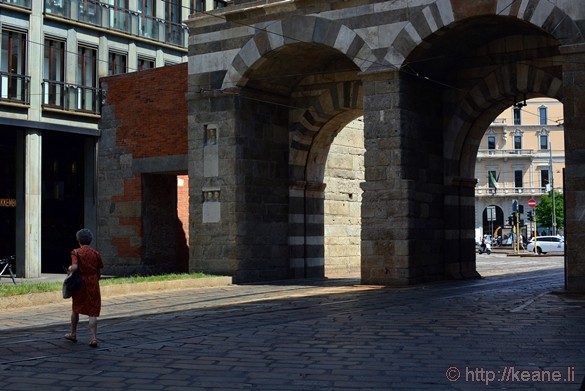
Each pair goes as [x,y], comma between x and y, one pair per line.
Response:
[545,207]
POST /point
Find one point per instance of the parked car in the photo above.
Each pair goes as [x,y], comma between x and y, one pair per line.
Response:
[547,244]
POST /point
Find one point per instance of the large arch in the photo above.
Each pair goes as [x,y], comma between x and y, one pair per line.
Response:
[297,30]
[429,77]
[475,63]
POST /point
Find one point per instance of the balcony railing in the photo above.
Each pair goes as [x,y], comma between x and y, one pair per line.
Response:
[20,3]
[490,191]
[71,97]
[130,22]
[508,153]
[14,88]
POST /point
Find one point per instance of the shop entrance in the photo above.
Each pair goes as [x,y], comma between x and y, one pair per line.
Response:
[62,198]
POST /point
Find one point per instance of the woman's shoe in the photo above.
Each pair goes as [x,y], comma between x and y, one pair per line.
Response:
[70,337]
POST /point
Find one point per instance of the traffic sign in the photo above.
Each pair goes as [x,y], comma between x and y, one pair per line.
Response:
[532,202]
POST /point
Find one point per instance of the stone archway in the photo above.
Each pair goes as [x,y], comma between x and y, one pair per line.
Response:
[481,63]
[431,76]
[320,105]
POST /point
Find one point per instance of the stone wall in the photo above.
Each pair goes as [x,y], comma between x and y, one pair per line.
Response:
[344,173]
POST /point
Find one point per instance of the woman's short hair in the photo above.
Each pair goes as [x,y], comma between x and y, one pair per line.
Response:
[84,236]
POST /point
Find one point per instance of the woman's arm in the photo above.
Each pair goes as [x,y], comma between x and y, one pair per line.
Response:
[73,266]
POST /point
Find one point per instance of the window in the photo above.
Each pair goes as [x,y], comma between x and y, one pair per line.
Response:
[146,7]
[174,18]
[517,117]
[544,179]
[197,6]
[542,114]
[517,141]
[54,73]
[492,179]
[117,63]
[146,26]
[518,179]
[173,11]
[543,141]
[491,140]
[13,79]
[56,7]
[145,63]
[87,94]
[88,11]
[118,14]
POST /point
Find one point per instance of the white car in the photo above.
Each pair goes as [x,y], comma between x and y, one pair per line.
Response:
[547,244]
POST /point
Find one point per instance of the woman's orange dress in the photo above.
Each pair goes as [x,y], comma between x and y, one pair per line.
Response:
[88,300]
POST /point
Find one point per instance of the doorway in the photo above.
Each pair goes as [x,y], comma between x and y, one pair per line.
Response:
[63,192]
[165,223]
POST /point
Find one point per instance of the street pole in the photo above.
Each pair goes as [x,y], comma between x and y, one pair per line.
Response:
[552,189]
[518,236]
[535,231]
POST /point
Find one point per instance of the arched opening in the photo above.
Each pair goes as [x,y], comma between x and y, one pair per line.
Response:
[294,102]
[344,173]
[470,72]
[521,158]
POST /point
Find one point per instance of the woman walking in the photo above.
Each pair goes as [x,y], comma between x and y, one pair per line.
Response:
[87,300]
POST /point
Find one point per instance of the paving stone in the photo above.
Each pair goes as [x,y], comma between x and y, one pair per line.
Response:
[322,335]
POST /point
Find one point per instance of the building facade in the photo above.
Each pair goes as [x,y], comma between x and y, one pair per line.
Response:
[521,157]
[53,54]
[273,82]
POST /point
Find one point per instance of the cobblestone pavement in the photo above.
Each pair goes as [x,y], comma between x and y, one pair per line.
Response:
[513,329]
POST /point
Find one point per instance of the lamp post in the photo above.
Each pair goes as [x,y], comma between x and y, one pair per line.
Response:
[552,188]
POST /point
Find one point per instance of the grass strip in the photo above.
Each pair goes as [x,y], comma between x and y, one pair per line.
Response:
[40,287]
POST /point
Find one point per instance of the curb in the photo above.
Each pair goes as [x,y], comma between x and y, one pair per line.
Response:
[35,299]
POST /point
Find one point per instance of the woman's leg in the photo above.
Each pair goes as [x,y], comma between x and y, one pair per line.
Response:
[74,323]
[72,336]
[93,330]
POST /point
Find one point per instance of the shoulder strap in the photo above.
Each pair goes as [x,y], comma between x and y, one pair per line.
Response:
[78,259]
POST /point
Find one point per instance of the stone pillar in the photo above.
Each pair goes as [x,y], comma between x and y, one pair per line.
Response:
[238,155]
[20,201]
[574,125]
[297,229]
[403,200]
[307,229]
[212,183]
[32,204]
[459,249]
[385,207]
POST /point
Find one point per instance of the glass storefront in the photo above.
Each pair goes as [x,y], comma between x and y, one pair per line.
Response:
[62,197]
[7,193]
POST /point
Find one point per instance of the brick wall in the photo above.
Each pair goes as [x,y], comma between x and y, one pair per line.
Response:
[151,110]
[144,132]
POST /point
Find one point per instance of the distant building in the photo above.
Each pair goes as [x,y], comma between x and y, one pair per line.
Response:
[521,157]
[52,56]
